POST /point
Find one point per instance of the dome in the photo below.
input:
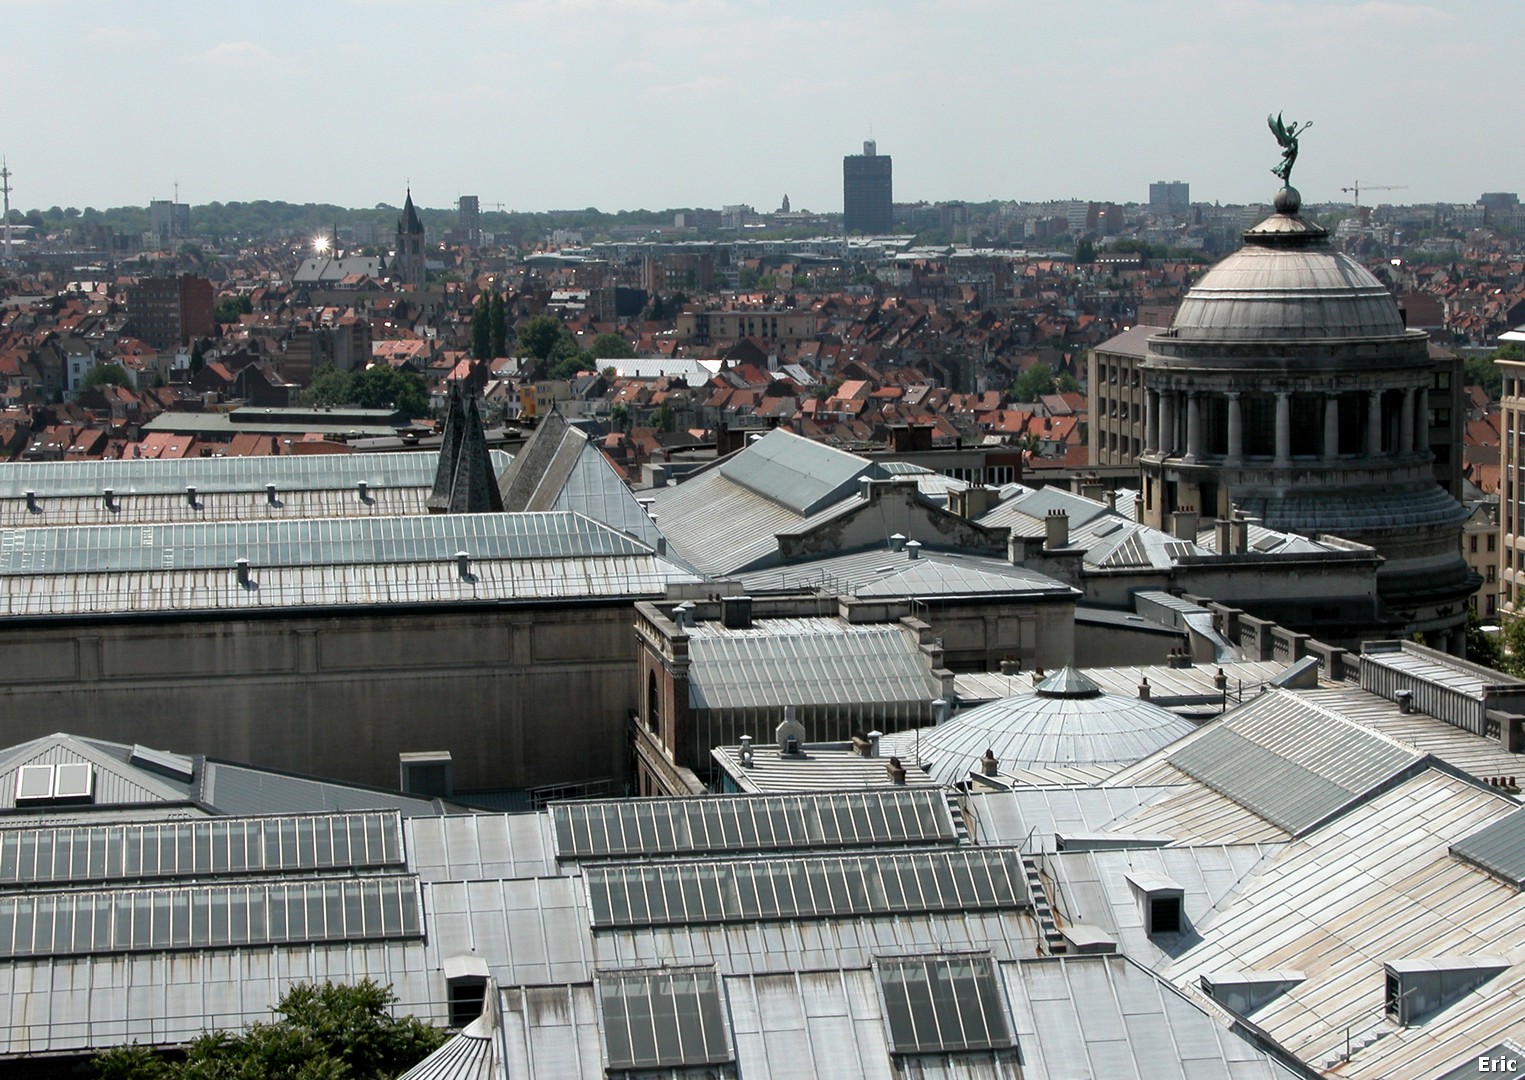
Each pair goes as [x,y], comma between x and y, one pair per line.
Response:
[1287,284]
[1069,721]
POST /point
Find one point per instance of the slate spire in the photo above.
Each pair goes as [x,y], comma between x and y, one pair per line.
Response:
[465,482]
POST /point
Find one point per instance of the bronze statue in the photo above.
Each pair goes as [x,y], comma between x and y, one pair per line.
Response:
[1286,135]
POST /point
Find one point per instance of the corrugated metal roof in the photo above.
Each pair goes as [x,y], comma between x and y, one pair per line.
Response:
[218,545]
[1498,848]
[883,573]
[1290,761]
[798,473]
[805,662]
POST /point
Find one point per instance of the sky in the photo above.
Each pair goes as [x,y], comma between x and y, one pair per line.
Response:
[626,104]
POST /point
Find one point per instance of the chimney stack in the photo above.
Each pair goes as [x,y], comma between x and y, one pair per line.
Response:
[989,766]
[1057,522]
[896,771]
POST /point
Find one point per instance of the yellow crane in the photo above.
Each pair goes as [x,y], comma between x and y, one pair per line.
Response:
[1356,189]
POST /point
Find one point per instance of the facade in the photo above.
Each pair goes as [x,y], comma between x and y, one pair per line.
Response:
[1288,389]
[1115,387]
[169,220]
[867,192]
[169,312]
[468,219]
[408,264]
[764,324]
[1512,494]
[1170,198]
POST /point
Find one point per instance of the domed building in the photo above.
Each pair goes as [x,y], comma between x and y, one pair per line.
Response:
[1288,390]
[1068,722]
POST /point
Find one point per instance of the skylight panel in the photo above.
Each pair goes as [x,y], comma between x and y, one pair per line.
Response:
[663,1019]
[942,1004]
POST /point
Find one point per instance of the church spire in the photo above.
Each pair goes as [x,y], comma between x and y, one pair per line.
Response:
[465,482]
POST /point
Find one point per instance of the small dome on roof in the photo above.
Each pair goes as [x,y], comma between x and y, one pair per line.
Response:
[1068,721]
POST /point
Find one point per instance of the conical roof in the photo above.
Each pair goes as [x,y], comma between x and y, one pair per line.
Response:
[410,222]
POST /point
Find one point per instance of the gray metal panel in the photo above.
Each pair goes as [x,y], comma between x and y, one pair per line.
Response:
[1498,848]
[1290,761]
[334,541]
[798,473]
[240,789]
[805,662]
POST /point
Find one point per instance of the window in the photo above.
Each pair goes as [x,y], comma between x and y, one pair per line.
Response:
[1472,543]
[942,1004]
[661,1019]
[1164,915]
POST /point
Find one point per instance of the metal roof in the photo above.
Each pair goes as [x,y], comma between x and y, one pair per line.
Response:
[780,662]
[881,573]
[215,475]
[1291,762]
[798,473]
[219,545]
[1498,848]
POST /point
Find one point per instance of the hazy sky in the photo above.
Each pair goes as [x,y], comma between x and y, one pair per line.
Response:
[549,104]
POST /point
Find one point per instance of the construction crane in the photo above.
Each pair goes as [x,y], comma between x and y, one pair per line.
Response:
[1356,189]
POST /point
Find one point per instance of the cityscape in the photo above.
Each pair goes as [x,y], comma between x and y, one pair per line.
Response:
[917,604]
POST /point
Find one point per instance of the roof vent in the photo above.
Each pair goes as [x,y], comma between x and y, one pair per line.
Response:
[746,750]
[429,774]
[463,565]
[175,766]
[989,765]
[190,497]
[1418,988]
[736,612]
[242,567]
[1242,992]
[363,489]
[940,710]
[790,734]
[1161,901]
[108,497]
[897,542]
[31,503]
[912,549]
[270,495]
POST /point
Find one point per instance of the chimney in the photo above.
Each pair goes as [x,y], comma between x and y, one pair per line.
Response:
[1184,525]
[31,502]
[190,497]
[940,711]
[270,495]
[989,766]
[1220,680]
[1110,498]
[109,498]
[746,750]
[463,565]
[243,572]
[1058,524]
[912,549]
[1011,667]
[1405,700]
[873,743]
[1144,689]
[896,771]
[1092,489]
[363,488]
[1239,536]
[1223,533]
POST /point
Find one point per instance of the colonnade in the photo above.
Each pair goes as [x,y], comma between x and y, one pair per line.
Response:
[1163,409]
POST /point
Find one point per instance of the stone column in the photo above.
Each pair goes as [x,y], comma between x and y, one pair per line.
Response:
[1406,424]
[1283,427]
[1331,426]
[1167,422]
[1235,429]
[1193,427]
[1422,419]
[1374,423]
[1151,420]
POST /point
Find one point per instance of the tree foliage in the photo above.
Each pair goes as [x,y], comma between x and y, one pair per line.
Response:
[1033,383]
[540,335]
[481,328]
[1483,371]
[610,346]
[114,374]
[497,326]
[376,387]
[323,1031]
[229,308]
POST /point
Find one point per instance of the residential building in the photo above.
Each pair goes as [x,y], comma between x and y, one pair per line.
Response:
[169,220]
[168,312]
[468,219]
[1170,198]
[868,192]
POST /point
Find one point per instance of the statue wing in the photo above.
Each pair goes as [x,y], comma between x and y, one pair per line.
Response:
[1277,128]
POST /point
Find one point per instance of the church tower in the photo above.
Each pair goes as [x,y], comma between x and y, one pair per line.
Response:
[408,266]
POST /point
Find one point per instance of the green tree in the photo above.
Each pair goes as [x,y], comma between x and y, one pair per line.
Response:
[229,308]
[497,324]
[323,1031]
[610,346]
[619,416]
[198,357]
[383,386]
[1066,383]
[1033,383]
[329,386]
[570,365]
[664,419]
[1085,250]
[1483,371]
[481,328]
[539,335]
[114,374]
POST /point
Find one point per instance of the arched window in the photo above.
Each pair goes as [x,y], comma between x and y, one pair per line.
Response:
[653,704]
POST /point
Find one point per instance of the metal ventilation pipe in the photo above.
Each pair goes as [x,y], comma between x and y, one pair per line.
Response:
[31,502]
[463,565]
[270,494]
[243,572]
[912,549]
[364,489]
[190,496]
[109,498]
[746,750]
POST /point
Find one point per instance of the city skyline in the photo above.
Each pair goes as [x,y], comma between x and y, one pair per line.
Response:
[654,105]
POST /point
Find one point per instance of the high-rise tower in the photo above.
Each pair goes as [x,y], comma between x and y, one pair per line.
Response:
[867,192]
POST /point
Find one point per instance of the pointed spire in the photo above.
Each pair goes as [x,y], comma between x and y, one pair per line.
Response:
[465,482]
[410,222]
